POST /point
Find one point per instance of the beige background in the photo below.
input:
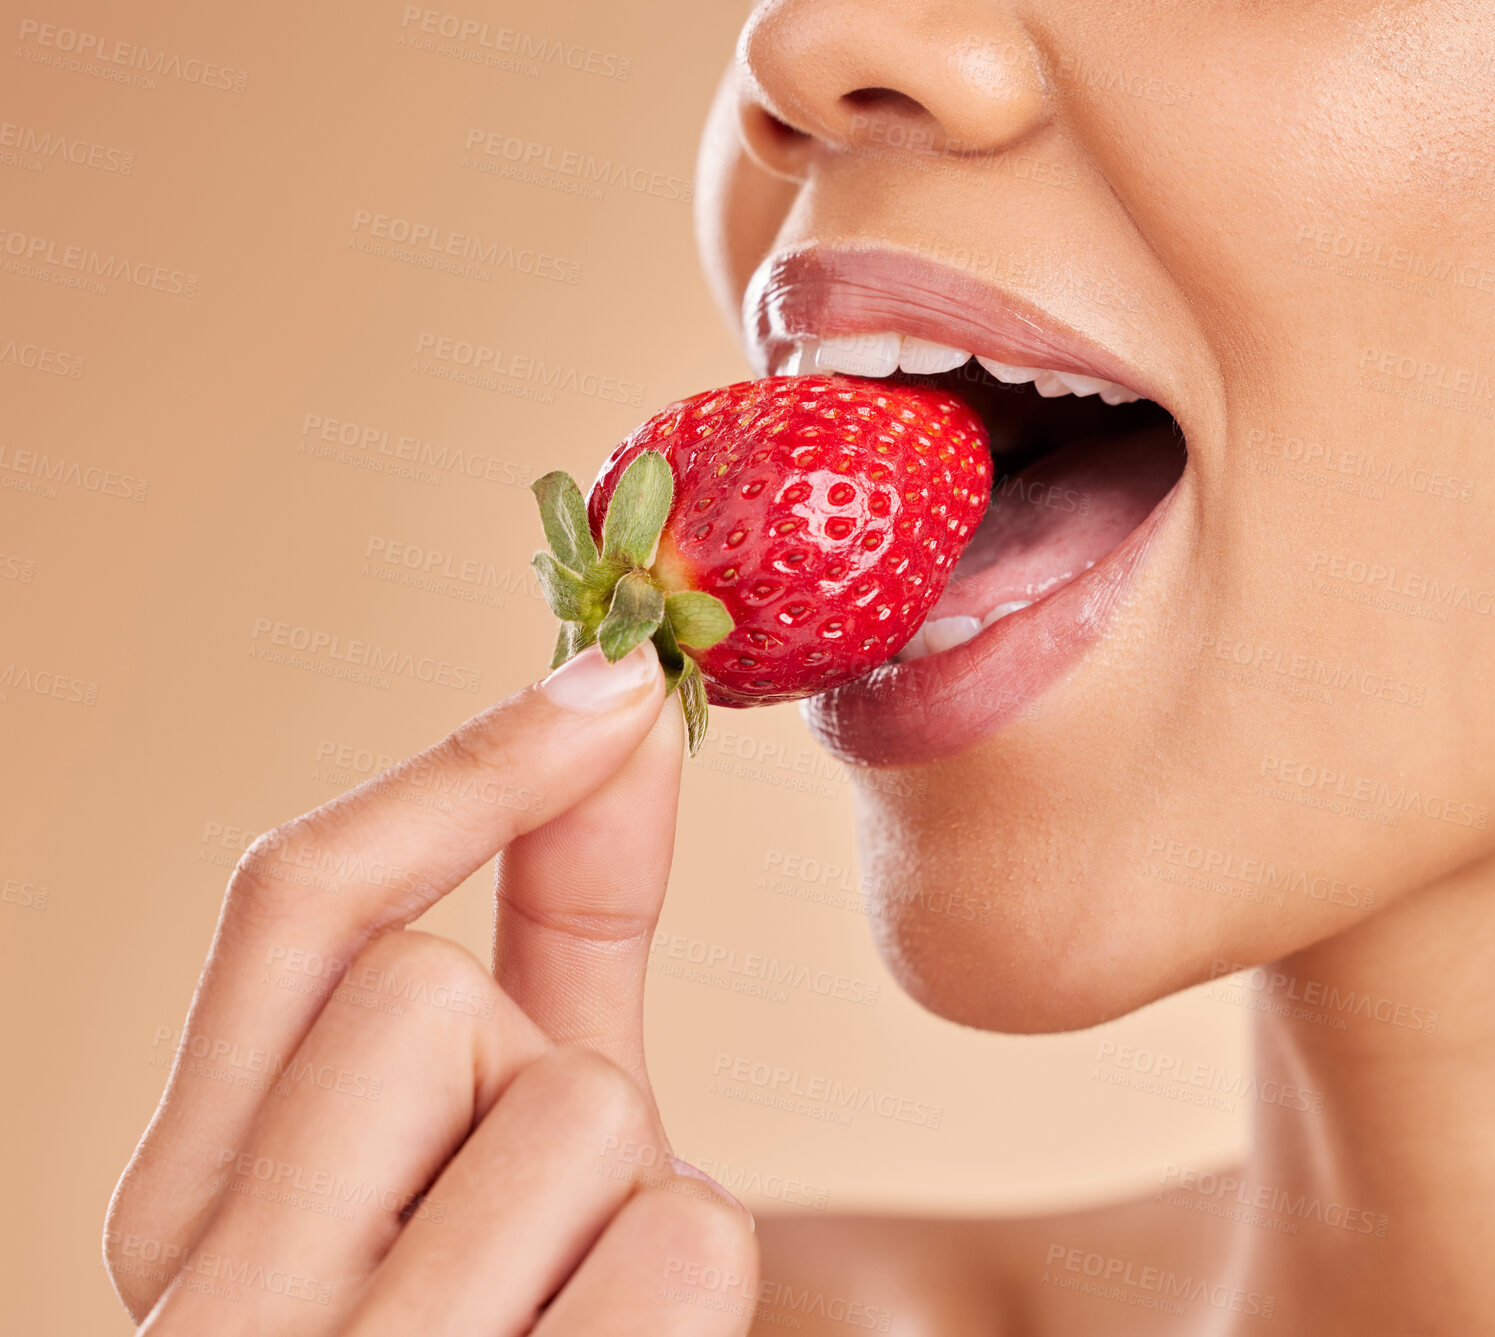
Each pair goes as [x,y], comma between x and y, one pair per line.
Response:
[121,817]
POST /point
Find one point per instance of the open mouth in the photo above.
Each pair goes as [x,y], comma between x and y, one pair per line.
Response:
[1078,464]
[1086,457]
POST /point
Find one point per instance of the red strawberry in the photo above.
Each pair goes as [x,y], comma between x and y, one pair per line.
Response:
[792,533]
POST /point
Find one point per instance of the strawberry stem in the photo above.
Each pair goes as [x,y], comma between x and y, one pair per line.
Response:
[634,615]
[615,598]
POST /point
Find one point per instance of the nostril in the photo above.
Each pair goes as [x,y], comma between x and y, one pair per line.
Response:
[768,130]
[889,101]
[775,145]
[888,117]
[782,130]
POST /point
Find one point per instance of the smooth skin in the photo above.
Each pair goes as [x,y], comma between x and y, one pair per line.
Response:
[401,1142]
[1284,210]
[1202,165]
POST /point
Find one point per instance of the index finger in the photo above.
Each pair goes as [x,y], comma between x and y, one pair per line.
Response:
[369,861]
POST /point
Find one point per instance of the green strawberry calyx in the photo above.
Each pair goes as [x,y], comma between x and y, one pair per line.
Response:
[615,598]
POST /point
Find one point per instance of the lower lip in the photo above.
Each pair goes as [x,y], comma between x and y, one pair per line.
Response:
[944,704]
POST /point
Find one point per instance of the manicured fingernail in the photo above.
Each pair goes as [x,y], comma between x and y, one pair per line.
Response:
[588,683]
[688,1171]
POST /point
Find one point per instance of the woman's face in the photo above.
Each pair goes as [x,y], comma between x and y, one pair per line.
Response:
[1240,718]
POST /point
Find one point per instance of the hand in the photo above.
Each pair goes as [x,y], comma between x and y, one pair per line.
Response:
[364,1132]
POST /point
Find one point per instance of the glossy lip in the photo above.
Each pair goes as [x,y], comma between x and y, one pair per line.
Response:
[940,705]
[814,291]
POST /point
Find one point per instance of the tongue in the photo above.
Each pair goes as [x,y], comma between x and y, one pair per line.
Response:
[1060,516]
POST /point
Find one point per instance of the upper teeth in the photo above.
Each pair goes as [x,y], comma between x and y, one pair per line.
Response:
[883,354]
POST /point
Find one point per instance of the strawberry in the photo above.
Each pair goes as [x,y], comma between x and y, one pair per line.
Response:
[775,538]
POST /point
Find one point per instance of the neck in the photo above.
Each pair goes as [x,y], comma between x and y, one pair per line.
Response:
[1392,1024]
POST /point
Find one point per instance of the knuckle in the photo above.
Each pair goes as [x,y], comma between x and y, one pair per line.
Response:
[595,926]
[597,1096]
[438,985]
[694,1231]
[324,851]
[271,861]
[437,963]
[473,746]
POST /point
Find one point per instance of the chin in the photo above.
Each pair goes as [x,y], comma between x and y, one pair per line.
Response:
[1011,895]
[1000,928]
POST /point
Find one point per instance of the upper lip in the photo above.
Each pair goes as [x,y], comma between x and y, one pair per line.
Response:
[817,290]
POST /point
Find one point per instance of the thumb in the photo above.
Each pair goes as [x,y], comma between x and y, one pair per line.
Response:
[578,899]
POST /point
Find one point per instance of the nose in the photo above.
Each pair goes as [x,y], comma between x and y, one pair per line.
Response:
[958,77]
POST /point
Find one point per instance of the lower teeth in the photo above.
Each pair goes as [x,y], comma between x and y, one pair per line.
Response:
[1001,611]
[945,633]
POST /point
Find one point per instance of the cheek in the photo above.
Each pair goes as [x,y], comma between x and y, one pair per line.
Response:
[739,207]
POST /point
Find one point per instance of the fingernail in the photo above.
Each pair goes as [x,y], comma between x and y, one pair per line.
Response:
[589,684]
[688,1171]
